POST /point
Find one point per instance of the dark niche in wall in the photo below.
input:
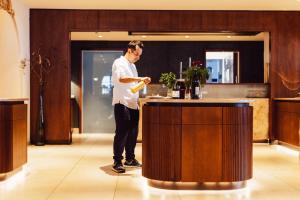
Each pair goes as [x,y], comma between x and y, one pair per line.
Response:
[165,56]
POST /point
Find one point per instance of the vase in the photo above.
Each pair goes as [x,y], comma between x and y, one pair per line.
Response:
[169,92]
[40,139]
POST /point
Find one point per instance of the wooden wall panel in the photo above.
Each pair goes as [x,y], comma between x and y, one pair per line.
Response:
[284,28]
[285,45]
[83,20]
[49,32]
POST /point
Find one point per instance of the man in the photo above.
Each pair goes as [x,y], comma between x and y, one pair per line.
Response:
[124,76]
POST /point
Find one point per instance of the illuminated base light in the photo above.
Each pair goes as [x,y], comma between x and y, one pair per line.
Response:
[12,179]
[287,150]
[197,185]
[149,191]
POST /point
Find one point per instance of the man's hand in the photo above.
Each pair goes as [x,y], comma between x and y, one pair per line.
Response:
[147,80]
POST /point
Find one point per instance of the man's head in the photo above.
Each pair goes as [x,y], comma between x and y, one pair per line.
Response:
[134,50]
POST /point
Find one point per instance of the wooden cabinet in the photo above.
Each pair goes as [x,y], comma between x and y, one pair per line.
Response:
[197,142]
[287,121]
[13,135]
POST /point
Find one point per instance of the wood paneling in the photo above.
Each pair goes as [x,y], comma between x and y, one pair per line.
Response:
[201,153]
[160,141]
[283,26]
[202,115]
[237,143]
[13,136]
[83,20]
[55,46]
[206,147]
[287,122]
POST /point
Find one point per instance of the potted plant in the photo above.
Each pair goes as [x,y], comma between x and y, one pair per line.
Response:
[169,80]
[196,73]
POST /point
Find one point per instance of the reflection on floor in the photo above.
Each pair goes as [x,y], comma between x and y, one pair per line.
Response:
[82,171]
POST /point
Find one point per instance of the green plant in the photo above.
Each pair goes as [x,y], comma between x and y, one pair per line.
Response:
[196,72]
[168,79]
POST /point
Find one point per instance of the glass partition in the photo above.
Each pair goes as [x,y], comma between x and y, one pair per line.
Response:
[97,113]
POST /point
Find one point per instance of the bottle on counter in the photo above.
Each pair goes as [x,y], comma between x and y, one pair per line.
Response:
[175,91]
[179,89]
[195,88]
[181,86]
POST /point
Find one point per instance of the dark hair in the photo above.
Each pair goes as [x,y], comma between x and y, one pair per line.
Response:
[132,45]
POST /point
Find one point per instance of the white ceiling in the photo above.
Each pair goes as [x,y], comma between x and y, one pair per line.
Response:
[167,4]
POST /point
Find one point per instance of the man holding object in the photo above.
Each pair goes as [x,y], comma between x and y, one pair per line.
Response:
[124,77]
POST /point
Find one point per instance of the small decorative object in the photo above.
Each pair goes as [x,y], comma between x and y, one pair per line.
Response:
[7,6]
[23,63]
[169,80]
[40,67]
[195,78]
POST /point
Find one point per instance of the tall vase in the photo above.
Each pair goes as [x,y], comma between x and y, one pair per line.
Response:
[40,139]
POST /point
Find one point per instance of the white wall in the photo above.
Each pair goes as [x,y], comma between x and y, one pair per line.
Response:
[14,46]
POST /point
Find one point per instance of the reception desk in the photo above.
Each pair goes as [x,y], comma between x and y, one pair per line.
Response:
[13,135]
[197,140]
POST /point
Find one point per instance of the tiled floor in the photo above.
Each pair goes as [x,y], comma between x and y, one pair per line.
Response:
[82,171]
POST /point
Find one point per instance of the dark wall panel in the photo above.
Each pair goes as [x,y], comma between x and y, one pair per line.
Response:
[165,56]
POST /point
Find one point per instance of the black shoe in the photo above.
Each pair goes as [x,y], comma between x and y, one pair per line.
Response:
[132,163]
[118,167]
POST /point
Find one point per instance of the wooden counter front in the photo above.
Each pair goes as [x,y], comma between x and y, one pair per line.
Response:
[197,142]
[286,120]
[13,135]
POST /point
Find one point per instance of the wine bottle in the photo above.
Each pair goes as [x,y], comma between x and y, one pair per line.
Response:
[181,86]
[175,91]
[195,85]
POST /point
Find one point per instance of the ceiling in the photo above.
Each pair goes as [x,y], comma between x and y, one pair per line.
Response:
[167,4]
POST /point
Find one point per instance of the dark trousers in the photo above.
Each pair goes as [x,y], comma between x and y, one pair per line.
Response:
[127,121]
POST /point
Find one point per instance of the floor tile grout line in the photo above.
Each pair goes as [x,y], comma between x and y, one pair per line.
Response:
[115,191]
[61,181]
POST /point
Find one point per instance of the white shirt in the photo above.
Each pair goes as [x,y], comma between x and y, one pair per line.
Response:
[121,91]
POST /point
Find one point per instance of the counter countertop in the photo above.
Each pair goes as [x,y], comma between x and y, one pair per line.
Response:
[287,99]
[204,100]
[13,99]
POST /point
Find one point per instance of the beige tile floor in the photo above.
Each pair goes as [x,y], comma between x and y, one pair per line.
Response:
[82,171]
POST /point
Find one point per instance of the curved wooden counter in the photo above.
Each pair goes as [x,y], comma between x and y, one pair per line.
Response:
[13,135]
[197,140]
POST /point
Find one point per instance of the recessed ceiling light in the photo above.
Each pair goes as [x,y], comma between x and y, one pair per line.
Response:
[228,36]
[95,79]
[144,36]
[187,36]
